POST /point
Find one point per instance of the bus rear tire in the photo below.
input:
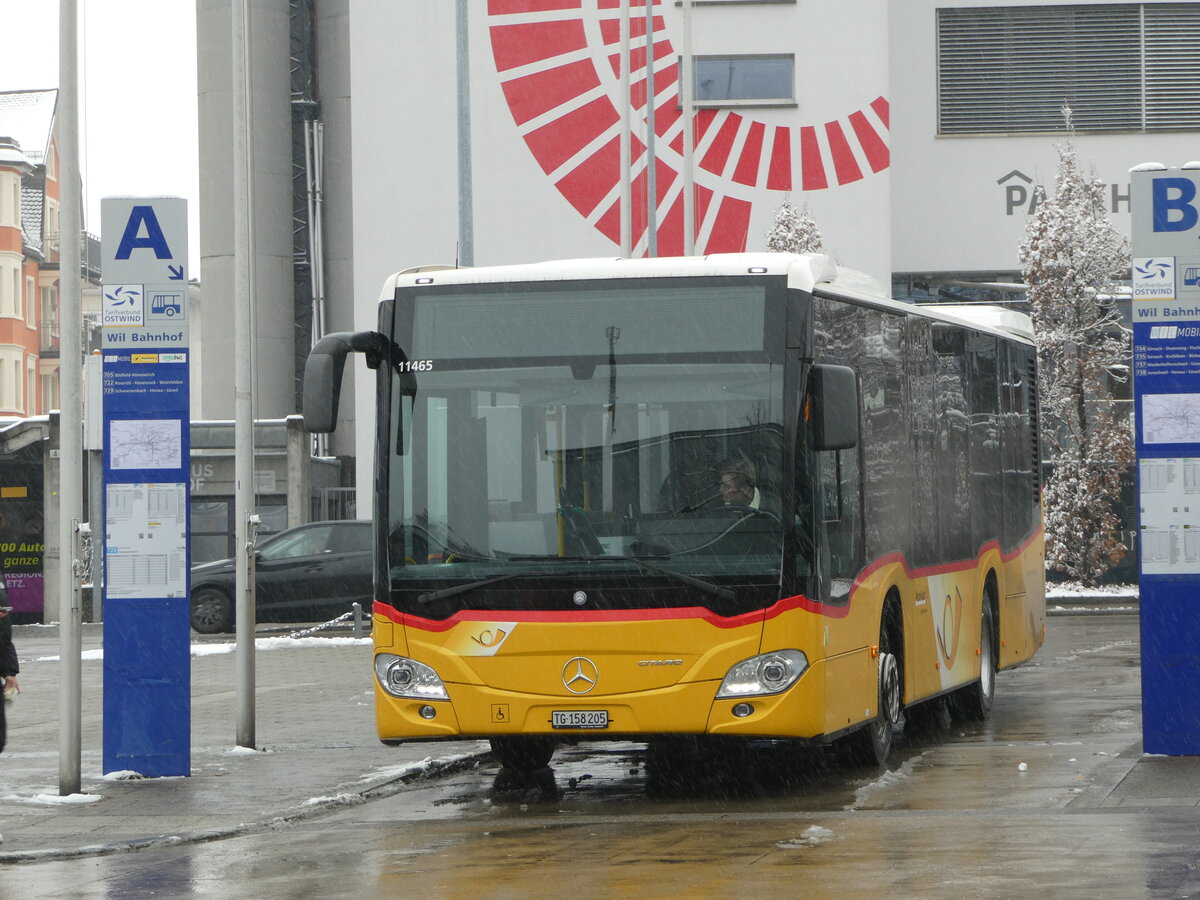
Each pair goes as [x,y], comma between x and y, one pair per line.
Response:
[523,754]
[974,702]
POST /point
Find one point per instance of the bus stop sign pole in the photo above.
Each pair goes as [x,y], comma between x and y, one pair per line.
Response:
[146,419]
[1166,393]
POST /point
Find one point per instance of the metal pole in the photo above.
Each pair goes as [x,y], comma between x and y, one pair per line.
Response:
[686,85]
[626,109]
[70,491]
[651,187]
[243,208]
[466,203]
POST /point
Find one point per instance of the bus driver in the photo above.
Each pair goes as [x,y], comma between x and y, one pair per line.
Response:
[738,486]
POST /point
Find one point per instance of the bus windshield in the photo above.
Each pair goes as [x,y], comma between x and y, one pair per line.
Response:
[603,462]
[549,467]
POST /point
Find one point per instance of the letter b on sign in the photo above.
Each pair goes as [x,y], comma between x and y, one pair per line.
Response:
[1173,209]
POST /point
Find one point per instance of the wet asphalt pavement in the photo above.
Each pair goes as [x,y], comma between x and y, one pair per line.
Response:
[1051,795]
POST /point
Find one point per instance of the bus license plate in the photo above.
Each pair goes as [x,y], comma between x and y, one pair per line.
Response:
[579,718]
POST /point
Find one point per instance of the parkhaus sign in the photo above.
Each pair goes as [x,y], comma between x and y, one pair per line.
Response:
[1022,195]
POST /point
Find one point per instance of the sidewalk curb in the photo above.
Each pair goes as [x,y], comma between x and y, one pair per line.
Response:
[428,769]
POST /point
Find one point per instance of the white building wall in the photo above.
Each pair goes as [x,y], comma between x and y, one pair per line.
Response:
[540,191]
[955,199]
[272,341]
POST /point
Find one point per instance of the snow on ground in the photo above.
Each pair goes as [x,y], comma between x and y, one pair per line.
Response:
[1067,589]
[48,799]
[812,836]
[883,782]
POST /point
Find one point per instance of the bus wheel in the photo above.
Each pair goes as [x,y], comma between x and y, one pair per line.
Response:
[211,611]
[523,754]
[975,700]
[871,744]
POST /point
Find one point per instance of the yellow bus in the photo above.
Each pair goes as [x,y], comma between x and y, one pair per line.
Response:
[741,495]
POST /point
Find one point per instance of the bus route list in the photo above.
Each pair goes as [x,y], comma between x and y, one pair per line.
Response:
[146,542]
[1170,503]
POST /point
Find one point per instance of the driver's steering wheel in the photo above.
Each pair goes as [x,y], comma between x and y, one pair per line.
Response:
[744,512]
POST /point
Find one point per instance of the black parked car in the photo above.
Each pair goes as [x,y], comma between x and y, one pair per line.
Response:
[309,573]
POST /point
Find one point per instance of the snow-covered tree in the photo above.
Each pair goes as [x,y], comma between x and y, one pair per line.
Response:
[794,231]
[1070,258]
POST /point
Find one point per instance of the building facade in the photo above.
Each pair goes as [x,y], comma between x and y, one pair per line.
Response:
[920,134]
[29,234]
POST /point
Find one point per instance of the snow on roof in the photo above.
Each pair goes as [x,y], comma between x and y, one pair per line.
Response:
[28,118]
[32,200]
[802,270]
[997,317]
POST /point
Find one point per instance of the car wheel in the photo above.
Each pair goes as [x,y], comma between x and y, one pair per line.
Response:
[211,611]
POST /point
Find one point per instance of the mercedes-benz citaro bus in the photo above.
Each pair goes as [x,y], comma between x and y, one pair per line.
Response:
[741,495]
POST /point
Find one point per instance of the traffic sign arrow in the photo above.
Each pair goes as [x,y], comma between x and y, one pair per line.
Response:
[176,273]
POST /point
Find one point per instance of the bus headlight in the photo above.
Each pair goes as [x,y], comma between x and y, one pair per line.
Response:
[770,673]
[403,677]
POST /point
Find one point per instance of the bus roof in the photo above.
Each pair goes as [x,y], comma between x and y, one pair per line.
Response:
[804,271]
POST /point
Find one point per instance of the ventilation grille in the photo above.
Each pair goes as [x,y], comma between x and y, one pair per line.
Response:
[1120,67]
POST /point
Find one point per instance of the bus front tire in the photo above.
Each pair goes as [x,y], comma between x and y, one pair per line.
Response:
[871,744]
[523,754]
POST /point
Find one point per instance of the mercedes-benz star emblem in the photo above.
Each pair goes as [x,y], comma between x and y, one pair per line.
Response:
[580,675]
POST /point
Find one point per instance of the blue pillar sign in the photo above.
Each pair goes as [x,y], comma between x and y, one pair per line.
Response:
[144,371]
[1166,387]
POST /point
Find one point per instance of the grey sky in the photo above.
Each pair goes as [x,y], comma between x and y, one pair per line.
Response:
[137,94]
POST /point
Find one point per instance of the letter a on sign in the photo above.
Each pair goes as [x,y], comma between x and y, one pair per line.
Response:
[154,239]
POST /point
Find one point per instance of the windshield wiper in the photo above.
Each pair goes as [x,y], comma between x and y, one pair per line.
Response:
[721,593]
[434,596]
[716,590]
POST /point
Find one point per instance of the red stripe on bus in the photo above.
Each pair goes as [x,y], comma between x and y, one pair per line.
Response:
[799,601]
[756,617]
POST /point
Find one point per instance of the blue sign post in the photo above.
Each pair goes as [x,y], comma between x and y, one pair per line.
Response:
[144,371]
[1166,386]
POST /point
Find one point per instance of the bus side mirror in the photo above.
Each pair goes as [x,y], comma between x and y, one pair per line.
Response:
[323,374]
[834,411]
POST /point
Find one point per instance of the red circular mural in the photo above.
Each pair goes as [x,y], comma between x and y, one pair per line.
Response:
[566,110]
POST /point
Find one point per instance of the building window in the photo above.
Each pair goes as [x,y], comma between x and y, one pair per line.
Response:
[10,284]
[30,303]
[11,392]
[50,391]
[31,388]
[1120,67]
[50,226]
[756,80]
[10,202]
